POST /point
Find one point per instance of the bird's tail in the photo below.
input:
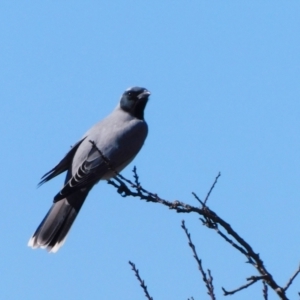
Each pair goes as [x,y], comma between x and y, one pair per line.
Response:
[53,230]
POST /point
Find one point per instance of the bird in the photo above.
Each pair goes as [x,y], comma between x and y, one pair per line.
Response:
[116,139]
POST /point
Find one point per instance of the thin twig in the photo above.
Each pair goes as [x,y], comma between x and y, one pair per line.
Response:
[197,198]
[231,242]
[265,290]
[142,282]
[292,279]
[208,281]
[252,280]
[212,187]
[136,176]
[106,160]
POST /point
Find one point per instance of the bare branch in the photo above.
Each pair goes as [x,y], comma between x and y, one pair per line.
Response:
[265,290]
[212,221]
[252,280]
[231,242]
[197,198]
[142,282]
[125,188]
[212,187]
[136,177]
[292,279]
[203,203]
[207,280]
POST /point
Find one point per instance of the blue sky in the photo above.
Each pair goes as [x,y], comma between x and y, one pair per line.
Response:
[224,77]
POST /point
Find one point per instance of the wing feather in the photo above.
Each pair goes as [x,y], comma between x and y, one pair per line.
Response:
[62,166]
[118,147]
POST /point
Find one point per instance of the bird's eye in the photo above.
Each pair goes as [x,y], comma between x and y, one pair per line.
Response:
[131,96]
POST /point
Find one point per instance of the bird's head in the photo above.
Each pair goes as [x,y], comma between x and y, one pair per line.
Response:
[134,101]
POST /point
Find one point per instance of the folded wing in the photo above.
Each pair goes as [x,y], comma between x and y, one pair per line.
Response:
[62,166]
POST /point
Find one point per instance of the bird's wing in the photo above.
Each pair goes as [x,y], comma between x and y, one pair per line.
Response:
[119,149]
[62,166]
[87,175]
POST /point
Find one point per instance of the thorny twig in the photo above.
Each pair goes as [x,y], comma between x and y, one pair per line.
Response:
[142,282]
[208,280]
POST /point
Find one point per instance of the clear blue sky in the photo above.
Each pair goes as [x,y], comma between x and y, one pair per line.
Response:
[224,77]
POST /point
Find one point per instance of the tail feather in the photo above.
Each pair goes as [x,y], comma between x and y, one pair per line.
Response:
[54,228]
[59,238]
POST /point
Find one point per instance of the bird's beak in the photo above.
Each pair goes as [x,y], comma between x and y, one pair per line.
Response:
[144,94]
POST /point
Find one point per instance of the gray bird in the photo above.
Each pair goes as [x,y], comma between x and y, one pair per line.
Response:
[119,137]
